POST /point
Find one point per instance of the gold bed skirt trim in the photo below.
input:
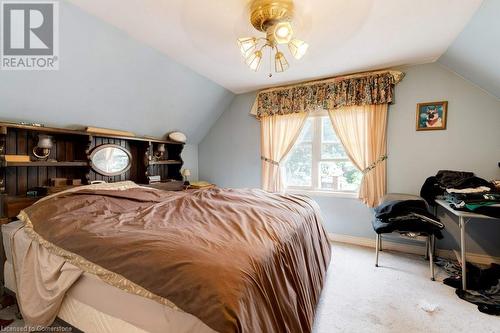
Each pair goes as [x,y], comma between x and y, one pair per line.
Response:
[114,279]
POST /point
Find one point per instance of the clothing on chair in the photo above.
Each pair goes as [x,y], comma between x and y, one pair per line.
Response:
[414,225]
[406,216]
[394,208]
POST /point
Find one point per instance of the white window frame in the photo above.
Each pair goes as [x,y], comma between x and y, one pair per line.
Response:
[315,189]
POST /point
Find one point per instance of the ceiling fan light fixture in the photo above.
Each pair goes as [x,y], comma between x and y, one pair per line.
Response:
[298,48]
[274,18]
[247,45]
[282,32]
[253,60]
[280,62]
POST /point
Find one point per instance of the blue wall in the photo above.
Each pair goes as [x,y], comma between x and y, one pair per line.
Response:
[110,80]
[230,153]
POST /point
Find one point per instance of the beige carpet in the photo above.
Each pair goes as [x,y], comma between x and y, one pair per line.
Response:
[359,297]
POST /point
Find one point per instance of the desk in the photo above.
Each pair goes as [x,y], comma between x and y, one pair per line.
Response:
[463,218]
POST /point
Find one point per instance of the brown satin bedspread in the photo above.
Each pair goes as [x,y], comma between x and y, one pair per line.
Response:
[239,260]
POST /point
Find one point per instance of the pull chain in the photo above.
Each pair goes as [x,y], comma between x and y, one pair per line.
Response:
[270,63]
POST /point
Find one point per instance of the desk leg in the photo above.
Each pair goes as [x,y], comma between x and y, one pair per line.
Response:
[462,252]
[431,254]
[426,257]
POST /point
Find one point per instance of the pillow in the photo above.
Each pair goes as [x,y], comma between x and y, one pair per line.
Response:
[174,185]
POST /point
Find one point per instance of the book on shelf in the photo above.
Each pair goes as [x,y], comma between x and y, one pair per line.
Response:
[107,131]
[16,158]
[154,179]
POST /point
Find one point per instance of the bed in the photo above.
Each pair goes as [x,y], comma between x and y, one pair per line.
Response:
[146,260]
[95,306]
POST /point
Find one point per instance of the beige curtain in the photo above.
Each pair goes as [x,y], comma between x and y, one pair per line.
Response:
[362,131]
[278,134]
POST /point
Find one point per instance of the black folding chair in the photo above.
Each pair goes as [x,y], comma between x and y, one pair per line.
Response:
[381,227]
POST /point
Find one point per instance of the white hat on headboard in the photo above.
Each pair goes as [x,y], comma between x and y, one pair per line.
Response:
[177,137]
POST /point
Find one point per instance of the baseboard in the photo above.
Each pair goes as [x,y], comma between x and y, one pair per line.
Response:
[388,244]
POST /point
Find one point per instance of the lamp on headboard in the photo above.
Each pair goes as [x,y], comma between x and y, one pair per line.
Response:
[44,146]
[185,174]
[160,151]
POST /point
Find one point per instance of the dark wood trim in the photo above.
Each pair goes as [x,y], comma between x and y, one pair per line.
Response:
[136,138]
[53,130]
[44,164]
[161,162]
[56,130]
[71,152]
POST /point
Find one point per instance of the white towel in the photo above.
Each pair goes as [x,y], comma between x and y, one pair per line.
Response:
[479,189]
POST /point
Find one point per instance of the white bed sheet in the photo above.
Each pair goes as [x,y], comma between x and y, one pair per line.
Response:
[94,306]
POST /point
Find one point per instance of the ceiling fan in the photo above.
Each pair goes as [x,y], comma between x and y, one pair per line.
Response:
[274,18]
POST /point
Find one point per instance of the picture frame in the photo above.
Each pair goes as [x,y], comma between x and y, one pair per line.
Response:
[431,116]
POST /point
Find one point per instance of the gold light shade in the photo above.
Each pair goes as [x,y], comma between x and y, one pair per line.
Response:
[280,63]
[282,32]
[253,61]
[298,48]
[247,45]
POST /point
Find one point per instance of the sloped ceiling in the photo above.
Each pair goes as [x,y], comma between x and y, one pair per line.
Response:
[475,54]
[110,80]
[345,36]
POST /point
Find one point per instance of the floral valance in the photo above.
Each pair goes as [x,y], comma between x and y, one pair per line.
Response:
[363,89]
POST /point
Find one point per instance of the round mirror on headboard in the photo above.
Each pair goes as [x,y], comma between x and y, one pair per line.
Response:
[110,160]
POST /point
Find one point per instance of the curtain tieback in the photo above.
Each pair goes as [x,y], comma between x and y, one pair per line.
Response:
[268,160]
[374,164]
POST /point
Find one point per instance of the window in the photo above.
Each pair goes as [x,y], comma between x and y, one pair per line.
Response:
[318,162]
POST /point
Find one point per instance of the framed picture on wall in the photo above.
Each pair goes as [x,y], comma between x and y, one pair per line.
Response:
[432,116]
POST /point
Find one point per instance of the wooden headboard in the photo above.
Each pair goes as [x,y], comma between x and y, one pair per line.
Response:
[72,151]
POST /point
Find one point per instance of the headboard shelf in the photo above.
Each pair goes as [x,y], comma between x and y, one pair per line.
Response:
[44,164]
[135,138]
[162,162]
[69,158]
[42,129]
[83,132]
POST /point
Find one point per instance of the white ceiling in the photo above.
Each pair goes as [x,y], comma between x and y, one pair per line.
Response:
[344,35]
